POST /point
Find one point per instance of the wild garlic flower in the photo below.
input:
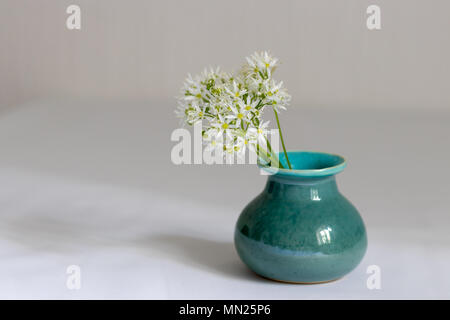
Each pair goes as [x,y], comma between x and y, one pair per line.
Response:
[258,133]
[230,106]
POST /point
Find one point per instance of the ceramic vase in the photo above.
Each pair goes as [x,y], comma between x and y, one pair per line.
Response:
[301,229]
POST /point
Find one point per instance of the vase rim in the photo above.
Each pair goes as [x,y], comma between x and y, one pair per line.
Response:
[310,164]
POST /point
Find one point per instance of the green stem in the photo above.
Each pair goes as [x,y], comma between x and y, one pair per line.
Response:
[262,153]
[274,155]
[281,138]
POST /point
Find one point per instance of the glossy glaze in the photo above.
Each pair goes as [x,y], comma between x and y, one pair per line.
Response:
[301,228]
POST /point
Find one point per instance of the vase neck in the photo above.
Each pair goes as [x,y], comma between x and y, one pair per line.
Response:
[302,181]
[314,189]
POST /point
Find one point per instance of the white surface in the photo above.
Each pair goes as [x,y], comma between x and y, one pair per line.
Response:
[91,184]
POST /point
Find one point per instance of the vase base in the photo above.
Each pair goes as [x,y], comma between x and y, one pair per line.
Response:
[298,282]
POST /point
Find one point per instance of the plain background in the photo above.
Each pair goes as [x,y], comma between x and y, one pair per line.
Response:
[85,124]
[143,49]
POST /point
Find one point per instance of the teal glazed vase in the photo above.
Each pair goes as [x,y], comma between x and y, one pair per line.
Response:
[301,229]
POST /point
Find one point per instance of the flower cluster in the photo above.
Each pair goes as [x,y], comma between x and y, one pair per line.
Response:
[231,106]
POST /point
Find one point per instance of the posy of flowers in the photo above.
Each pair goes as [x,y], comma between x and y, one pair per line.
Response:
[231,106]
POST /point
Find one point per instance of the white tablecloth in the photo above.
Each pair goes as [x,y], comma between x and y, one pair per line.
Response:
[91,184]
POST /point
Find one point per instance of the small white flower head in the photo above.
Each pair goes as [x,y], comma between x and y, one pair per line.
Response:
[261,64]
[236,90]
[224,126]
[249,108]
[275,94]
[213,142]
[258,133]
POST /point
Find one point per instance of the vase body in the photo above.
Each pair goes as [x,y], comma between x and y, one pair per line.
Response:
[301,228]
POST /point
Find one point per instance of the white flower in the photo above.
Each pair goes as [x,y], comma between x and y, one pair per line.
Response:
[275,94]
[238,146]
[239,114]
[246,142]
[249,107]
[258,133]
[236,90]
[222,125]
[213,143]
[192,90]
[261,64]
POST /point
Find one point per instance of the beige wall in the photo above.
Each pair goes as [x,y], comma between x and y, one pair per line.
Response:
[143,49]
